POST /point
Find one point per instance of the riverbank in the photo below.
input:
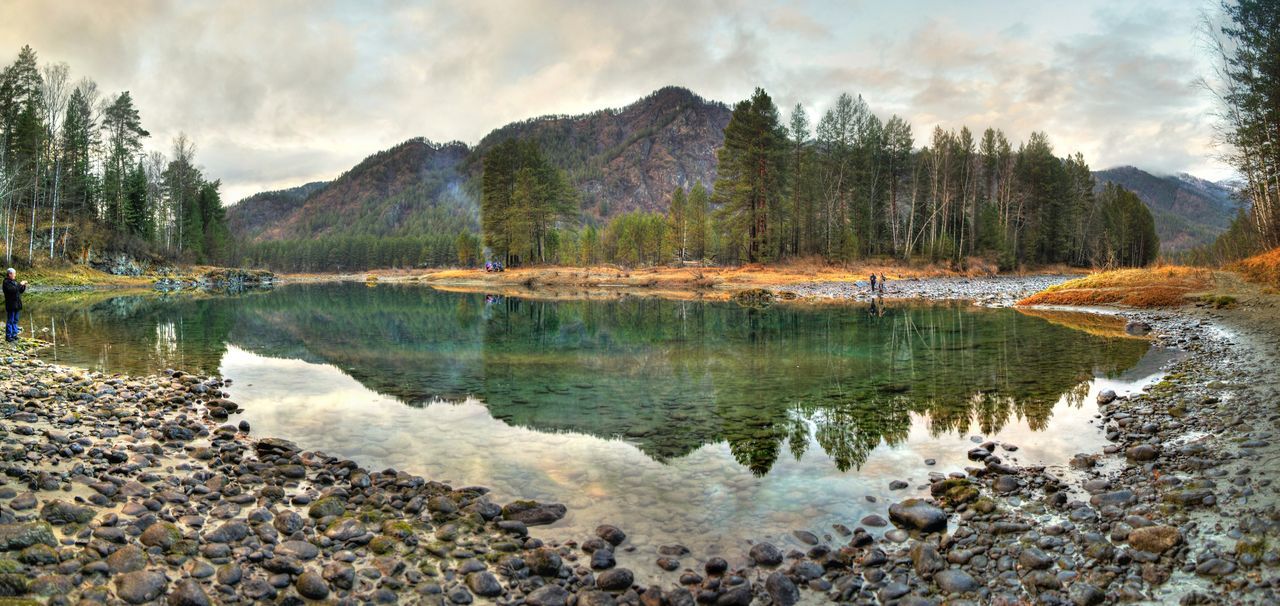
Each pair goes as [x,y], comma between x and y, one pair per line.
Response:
[706,283]
[228,506]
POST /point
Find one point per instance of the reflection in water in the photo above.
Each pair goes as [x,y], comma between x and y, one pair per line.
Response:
[700,423]
[665,376]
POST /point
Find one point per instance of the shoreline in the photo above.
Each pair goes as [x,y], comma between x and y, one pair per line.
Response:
[1002,543]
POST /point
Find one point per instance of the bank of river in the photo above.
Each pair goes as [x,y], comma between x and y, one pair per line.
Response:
[135,489]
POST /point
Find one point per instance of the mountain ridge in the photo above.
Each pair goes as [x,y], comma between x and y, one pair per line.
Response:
[1189,211]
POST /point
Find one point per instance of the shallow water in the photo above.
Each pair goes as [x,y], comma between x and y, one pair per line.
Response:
[706,424]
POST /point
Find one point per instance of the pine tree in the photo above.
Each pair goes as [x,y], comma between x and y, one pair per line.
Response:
[750,175]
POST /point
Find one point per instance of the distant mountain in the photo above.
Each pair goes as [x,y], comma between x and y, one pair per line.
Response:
[630,158]
[1188,211]
[619,159]
[414,188]
[254,214]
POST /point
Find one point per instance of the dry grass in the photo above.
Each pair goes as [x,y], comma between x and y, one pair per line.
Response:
[1146,288]
[79,275]
[1261,269]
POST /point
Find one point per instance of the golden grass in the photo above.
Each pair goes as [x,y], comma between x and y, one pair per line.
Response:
[1261,269]
[79,275]
[1146,288]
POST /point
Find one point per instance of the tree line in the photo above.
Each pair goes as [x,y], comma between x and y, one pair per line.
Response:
[75,179]
[851,187]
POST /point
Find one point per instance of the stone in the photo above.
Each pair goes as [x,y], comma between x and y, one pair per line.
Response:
[533,513]
[874,521]
[1155,539]
[484,584]
[1084,594]
[326,507]
[140,586]
[548,595]
[127,559]
[1142,453]
[60,513]
[612,534]
[288,522]
[781,590]
[1032,558]
[543,561]
[617,579]
[765,554]
[161,534]
[26,534]
[917,514]
[187,592]
[955,581]
[311,585]
[1106,396]
[1215,567]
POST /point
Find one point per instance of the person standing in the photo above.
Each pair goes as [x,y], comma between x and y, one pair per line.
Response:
[13,290]
[883,281]
[873,283]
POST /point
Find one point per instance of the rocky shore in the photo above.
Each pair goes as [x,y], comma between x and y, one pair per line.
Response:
[992,291]
[137,490]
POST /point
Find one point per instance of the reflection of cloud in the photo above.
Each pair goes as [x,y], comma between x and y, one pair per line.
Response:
[280,93]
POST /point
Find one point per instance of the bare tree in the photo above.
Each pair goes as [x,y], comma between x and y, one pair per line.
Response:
[55,104]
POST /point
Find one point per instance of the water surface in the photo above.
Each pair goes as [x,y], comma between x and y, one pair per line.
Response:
[703,423]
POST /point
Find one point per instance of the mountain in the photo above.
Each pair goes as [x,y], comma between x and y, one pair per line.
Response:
[1188,211]
[619,160]
[413,188]
[630,158]
[255,213]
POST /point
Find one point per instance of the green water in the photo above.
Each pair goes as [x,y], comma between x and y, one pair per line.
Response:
[785,416]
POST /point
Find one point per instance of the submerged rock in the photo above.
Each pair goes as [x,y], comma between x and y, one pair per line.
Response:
[918,514]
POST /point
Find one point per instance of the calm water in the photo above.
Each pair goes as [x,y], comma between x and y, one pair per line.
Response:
[701,423]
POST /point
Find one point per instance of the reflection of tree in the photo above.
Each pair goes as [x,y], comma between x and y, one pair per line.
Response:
[666,376]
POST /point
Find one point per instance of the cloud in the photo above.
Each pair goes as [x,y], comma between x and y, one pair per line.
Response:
[279,93]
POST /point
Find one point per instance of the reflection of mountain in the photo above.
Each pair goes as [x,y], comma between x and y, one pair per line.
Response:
[672,376]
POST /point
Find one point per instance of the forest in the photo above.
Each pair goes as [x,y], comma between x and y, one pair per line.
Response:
[75,179]
[851,187]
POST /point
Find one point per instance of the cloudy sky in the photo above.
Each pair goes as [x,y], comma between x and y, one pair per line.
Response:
[278,93]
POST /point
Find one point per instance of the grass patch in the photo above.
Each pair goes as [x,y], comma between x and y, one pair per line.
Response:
[1261,269]
[78,275]
[1145,288]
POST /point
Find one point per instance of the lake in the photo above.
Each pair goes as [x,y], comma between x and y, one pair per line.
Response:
[706,424]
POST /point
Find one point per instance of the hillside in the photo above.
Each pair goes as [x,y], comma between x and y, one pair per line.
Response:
[619,159]
[410,189]
[1188,211]
[630,158]
[256,213]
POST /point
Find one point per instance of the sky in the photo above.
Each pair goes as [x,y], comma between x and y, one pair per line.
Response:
[280,93]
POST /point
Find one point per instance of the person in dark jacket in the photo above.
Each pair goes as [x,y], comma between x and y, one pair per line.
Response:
[13,290]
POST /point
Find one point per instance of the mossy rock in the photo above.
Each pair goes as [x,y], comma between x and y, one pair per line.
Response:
[19,602]
[399,529]
[428,569]
[8,566]
[382,544]
[1254,546]
[38,555]
[326,507]
[955,491]
[13,585]
[437,549]
[984,505]
[371,516]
